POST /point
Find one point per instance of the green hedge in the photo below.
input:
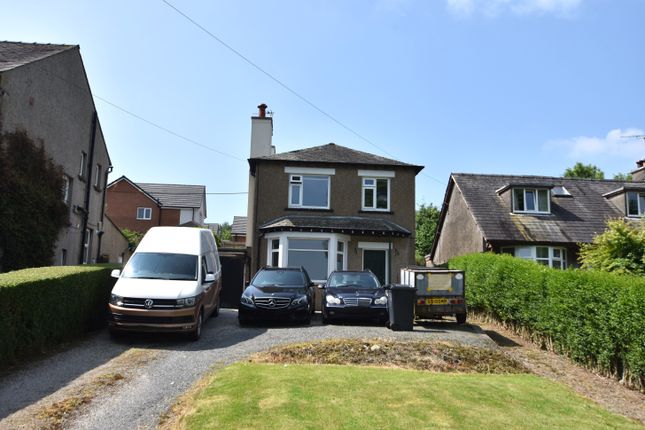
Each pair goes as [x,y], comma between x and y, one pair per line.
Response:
[596,318]
[42,307]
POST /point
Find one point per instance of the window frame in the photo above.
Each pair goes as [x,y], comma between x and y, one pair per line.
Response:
[83,165]
[374,189]
[536,200]
[144,218]
[299,180]
[97,177]
[284,237]
[67,189]
[551,260]
[640,210]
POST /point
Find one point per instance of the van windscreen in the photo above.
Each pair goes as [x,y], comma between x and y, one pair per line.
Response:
[155,265]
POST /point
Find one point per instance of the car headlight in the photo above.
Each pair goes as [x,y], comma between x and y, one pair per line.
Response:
[380,301]
[299,300]
[246,299]
[332,300]
[186,302]
[116,300]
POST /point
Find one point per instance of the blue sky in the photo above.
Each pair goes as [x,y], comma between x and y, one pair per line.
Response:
[481,86]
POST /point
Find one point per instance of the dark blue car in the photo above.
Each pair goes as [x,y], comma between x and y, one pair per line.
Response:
[354,295]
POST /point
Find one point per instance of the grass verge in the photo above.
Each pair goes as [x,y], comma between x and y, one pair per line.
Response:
[270,396]
[381,384]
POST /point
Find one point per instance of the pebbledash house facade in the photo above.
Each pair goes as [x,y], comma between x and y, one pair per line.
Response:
[543,219]
[328,208]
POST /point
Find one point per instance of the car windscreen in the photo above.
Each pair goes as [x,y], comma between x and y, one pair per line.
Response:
[278,278]
[155,265]
[353,280]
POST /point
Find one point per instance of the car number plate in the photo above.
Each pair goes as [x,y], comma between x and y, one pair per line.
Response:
[436,301]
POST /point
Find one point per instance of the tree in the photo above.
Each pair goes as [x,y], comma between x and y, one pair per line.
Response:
[584,171]
[620,249]
[134,237]
[623,177]
[32,211]
[427,218]
[224,233]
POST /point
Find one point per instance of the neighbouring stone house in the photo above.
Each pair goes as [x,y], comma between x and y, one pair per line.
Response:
[45,92]
[328,207]
[533,217]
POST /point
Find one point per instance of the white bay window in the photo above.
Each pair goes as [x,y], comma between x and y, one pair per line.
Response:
[319,253]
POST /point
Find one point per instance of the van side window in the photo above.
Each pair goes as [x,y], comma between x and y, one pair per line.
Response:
[216,261]
[204,269]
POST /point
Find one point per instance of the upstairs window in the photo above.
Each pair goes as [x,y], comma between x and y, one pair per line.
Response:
[635,204]
[531,200]
[67,189]
[82,167]
[97,177]
[376,194]
[144,213]
[309,191]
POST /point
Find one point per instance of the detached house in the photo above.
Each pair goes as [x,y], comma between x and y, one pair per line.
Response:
[538,218]
[139,206]
[328,207]
[44,92]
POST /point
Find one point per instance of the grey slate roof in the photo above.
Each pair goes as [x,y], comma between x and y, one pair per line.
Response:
[355,225]
[239,225]
[174,195]
[334,154]
[572,220]
[16,54]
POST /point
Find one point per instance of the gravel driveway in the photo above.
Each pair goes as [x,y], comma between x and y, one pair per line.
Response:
[176,364]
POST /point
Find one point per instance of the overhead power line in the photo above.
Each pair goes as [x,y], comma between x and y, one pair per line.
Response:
[147,121]
[285,86]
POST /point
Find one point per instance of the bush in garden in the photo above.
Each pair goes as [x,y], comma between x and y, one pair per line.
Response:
[596,318]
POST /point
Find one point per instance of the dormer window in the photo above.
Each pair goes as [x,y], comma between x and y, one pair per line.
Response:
[635,204]
[531,200]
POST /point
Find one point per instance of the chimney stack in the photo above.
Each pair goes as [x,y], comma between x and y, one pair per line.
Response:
[638,175]
[262,110]
[261,133]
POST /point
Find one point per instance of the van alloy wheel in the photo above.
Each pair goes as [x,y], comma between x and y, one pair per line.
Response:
[197,332]
[217,306]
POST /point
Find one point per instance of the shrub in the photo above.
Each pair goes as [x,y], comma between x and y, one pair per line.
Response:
[596,318]
[40,308]
[620,249]
[32,211]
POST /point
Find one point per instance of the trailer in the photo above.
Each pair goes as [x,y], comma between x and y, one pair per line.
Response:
[439,292]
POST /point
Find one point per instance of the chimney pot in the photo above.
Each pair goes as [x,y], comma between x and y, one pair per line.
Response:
[262,110]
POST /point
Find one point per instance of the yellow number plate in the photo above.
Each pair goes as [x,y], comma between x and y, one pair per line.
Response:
[436,301]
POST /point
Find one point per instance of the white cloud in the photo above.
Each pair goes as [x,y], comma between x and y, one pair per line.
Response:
[518,7]
[615,144]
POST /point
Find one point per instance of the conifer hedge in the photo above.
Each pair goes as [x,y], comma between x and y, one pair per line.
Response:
[42,307]
[596,318]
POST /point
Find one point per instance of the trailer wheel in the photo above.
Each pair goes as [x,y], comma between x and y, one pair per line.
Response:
[461,318]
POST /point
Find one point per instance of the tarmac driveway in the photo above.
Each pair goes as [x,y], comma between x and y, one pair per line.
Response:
[174,365]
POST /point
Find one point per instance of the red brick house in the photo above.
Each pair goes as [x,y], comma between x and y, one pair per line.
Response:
[139,206]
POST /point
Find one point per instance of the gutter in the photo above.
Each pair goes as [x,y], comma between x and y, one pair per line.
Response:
[88,188]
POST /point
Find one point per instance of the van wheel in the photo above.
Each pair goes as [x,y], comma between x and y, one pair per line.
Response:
[197,332]
[216,311]
[461,318]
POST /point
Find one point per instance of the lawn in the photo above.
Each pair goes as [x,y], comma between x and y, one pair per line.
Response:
[278,396]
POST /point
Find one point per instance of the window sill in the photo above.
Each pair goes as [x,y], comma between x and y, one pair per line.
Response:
[309,209]
[99,189]
[81,178]
[532,213]
[375,211]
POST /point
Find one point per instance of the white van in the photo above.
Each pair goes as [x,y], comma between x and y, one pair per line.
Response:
[172,282]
